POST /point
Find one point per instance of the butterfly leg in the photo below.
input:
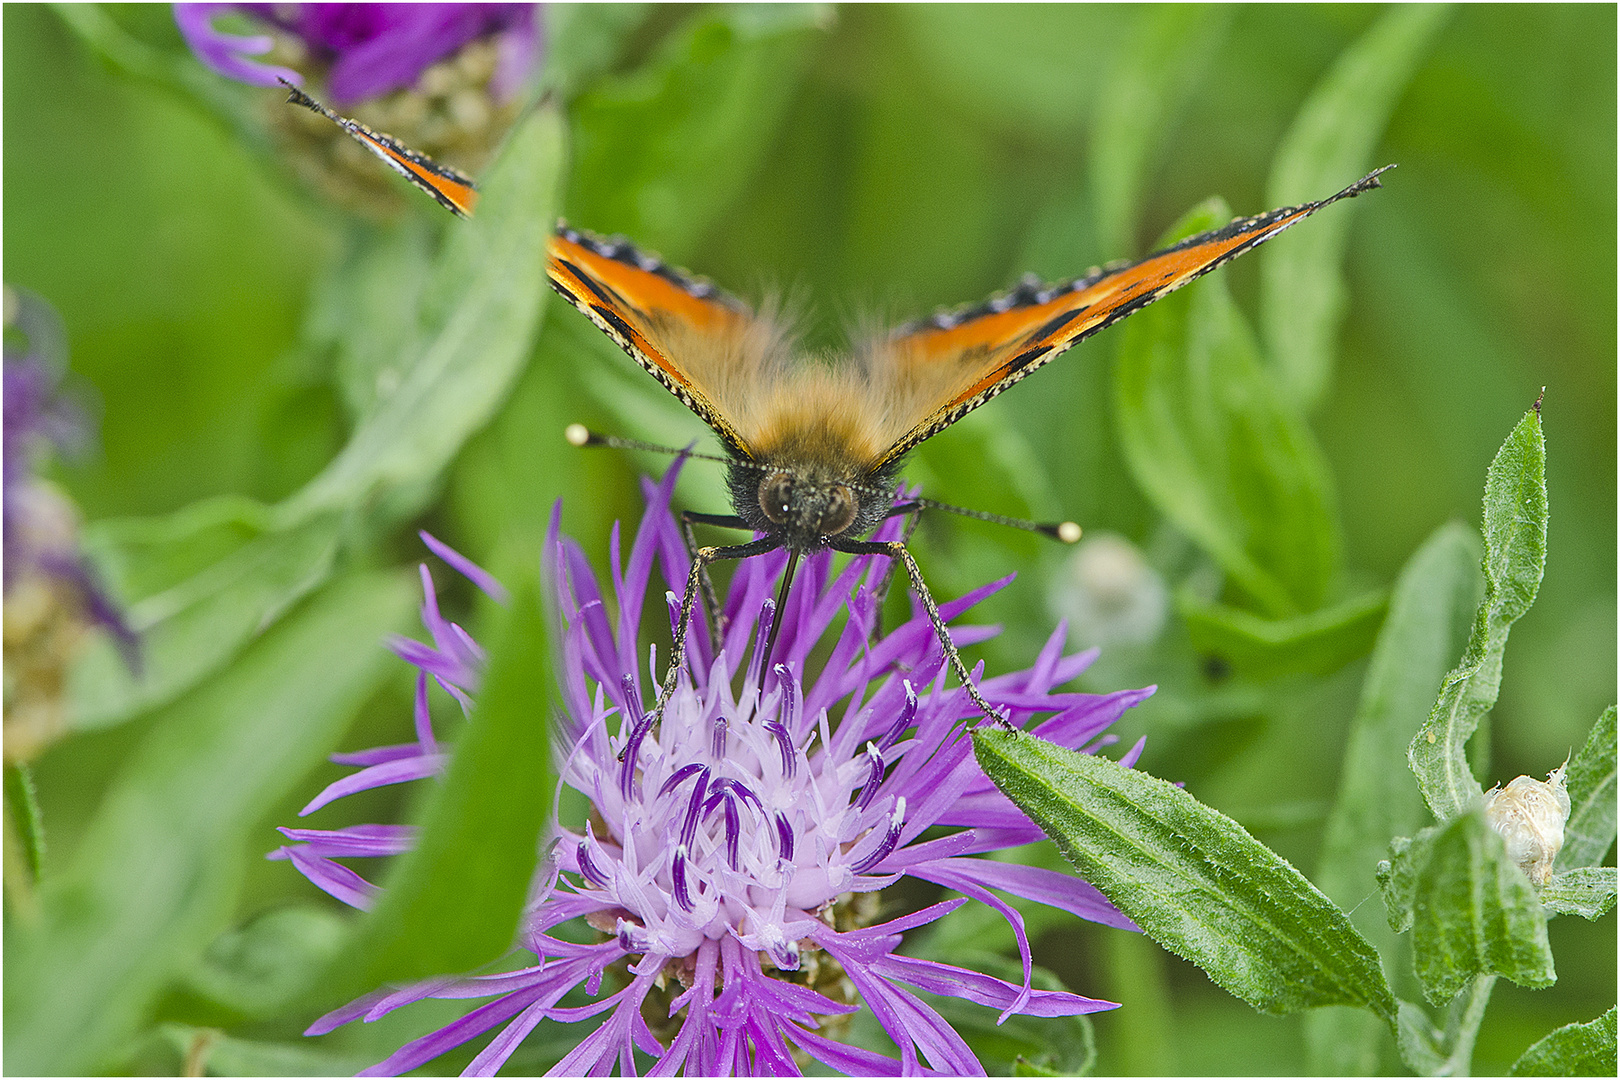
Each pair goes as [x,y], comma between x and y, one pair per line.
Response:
[896,550]
[882,592]
[711,599]
[700,562]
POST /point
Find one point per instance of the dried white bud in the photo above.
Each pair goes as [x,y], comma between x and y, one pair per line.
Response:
[1530,815]
[1109,593]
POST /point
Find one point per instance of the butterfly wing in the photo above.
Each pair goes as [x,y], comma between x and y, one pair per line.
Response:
[630,295]
[992,346]
[452,190]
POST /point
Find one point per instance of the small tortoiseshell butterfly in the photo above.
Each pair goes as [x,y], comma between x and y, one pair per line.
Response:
[814,450]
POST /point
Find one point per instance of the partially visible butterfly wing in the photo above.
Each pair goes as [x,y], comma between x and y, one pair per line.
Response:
[629,293]
[453,191]
[1009,336]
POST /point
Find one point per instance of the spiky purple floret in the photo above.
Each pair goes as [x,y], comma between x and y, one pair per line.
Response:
[720,841]
[373,48]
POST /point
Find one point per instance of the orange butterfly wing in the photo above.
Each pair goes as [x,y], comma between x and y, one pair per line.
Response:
[627,292]
[1011,335]
[453,191]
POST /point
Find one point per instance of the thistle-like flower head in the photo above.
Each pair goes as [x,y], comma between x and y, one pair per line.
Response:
[726,844]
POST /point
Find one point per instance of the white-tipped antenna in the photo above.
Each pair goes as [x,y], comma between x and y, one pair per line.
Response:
[1067,532]
[580,435]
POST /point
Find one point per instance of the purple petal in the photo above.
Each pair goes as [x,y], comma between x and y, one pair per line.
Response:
[466,567]
[335,880]
[952,981]
[225,53]
[390,772]
[847,1059]
[362,841]
[378,755]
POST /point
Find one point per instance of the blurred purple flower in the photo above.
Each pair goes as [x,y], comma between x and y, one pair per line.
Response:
[720,844]
[40,528]
[373,49]
[51,593]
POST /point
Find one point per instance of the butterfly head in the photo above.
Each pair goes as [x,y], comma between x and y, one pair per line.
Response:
[806,507]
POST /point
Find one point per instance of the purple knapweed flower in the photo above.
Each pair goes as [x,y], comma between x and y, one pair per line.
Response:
[726,845]
[370,49]
[51,593]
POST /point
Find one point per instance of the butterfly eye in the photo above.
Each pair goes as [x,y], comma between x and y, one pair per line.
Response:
[840,511]
[776,496]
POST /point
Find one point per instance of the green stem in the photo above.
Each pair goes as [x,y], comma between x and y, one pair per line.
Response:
[1467,1013]
[1141,1032]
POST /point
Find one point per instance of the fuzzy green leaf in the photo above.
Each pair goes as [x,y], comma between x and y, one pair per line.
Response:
[1573,1050]
[1303,294]
[1587,891]
[1515,531]
[1190,877]
[1218,450]
[155,876]
[1589,832]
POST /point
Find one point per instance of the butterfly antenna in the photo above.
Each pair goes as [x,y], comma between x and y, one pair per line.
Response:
[1066,531]
[580,435]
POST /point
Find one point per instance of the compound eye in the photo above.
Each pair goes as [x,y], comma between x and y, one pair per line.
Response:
[841,509]
[776,496]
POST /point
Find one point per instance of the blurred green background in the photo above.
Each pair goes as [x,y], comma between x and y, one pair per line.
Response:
[887,160]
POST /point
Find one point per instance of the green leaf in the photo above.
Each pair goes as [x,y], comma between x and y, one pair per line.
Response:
[481,307]
[1572,1050]
[1319,643]
[1217,448]
[663,149]
[156,874]
[268,964]
[1587,891]
[1432,1051]
[1151,80]
[195,626]
[1470,909]
[1191,877]
[24,826]
[454,901]
[1303,294]
[1515,530]
[1429,613]
[225,1055]
[1589,832]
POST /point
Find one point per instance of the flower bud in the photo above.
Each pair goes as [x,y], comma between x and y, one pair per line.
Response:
[1530,815]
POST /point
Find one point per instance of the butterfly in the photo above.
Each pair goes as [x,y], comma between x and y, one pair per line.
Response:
[813,450]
